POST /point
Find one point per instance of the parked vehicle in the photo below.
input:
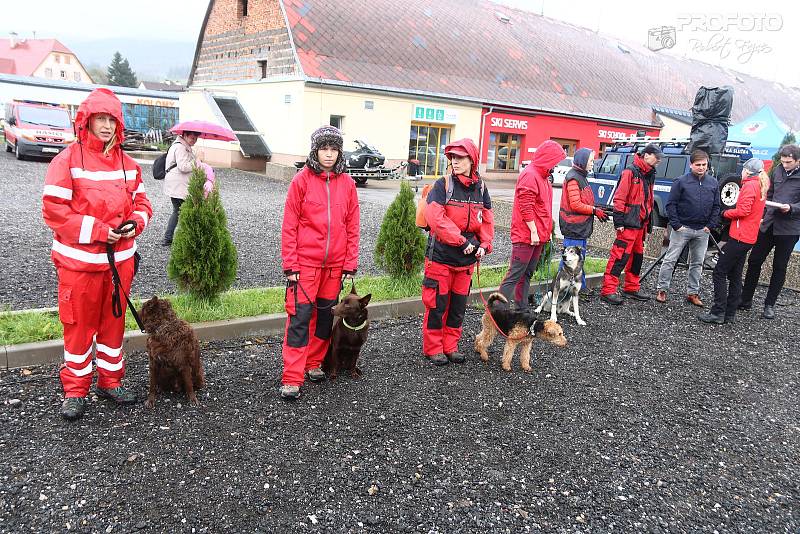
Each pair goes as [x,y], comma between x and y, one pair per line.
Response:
[365,156]
[560,171]
[35,129]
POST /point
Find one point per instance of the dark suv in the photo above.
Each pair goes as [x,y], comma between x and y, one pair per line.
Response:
[726,167]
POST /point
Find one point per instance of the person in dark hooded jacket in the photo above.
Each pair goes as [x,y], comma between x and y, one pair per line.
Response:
[577,211]
[319,248]
[459,214]
[531,221]
[90,190]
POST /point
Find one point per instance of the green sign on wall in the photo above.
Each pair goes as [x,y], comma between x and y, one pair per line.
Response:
[431,114]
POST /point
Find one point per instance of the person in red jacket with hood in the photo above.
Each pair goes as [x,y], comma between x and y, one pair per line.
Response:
[745,220]
[633,205]
[531,221]
[459,214]
[91,189]
[319,248]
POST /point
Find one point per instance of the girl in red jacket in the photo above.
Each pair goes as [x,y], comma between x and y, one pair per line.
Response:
[459,214]
[90,190]
[745,219]
[531,221]
[319,248]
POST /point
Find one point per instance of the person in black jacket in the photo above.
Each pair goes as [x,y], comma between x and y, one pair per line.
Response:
[780,228]
[693,210]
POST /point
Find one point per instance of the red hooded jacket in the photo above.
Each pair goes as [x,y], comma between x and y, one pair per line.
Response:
[746,216]
[321,222]
[633,198]
[463,219]
[87,192]
[533,195]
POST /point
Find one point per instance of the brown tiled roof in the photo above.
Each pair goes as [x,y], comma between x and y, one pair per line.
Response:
[461,49]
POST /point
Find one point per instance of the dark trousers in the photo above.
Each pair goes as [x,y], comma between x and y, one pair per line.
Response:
[517,284]
[728,278]
[784,244]
[173,219]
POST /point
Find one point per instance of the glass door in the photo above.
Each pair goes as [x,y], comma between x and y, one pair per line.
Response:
[426,145]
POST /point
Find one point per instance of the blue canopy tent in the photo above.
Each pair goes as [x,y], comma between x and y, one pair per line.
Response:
[763,129]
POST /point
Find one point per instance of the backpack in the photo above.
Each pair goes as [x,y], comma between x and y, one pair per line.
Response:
[423,200]
[160,169]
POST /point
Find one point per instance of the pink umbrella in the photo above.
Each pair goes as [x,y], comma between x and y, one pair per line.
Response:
[208,130]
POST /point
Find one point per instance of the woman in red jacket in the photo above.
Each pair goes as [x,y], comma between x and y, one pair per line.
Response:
[531,221]
[745,219]
[459,214]
[319,247]
[91,190]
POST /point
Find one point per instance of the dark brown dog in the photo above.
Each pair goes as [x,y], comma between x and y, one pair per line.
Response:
[348,335]
[520,327]
[174,352]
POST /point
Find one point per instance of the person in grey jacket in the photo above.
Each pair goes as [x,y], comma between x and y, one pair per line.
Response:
[180,160]
[693,210]
[780,228]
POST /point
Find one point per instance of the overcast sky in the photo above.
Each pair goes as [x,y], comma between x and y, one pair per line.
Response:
[758,38]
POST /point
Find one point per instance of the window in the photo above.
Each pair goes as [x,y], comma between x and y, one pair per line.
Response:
[243,4]
[77,76]
[426,146]
[569,145]
[610,164]
[504,152]
[675,167]
[337,121]
[66,60]
[287,99]
[262,67]
[57,58]
[63,75]
[369,104]
[48,72]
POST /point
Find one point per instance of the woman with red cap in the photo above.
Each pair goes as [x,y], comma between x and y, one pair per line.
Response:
[459,214]
[95,203]
[531,221]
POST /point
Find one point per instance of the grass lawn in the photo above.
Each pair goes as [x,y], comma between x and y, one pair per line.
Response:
[29,327]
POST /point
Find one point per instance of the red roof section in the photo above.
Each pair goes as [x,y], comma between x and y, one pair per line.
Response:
[26,56]
[531,62]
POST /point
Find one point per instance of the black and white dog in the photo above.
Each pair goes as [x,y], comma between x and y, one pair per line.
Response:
[566,286]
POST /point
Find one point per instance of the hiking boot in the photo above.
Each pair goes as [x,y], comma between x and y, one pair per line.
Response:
[769,312]
[694,299]
[290,392]
[119,394]
[316,375]
[456,357]
[635,295]
[73,408]
[661,296]
[745,306]
[710,318]
[438,359]
[730,319]
[612,299]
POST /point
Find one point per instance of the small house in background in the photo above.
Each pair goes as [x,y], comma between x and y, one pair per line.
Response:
[166,85]
[41,58]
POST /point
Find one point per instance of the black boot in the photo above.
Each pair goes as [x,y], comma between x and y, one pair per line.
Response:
[710,318]
[769,312]
[613,299]
[73,408]
[456,357]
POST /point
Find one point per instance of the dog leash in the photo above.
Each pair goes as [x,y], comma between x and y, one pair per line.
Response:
[116,301]
[486,305]
[289,282]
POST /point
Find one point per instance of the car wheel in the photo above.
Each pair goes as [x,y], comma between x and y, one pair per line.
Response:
[729,187]
[17,153]
[8,146]
[361,181]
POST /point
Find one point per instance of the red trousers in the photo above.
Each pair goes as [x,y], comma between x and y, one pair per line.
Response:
[84,308]
[309,304]
[444,293]
[626,254]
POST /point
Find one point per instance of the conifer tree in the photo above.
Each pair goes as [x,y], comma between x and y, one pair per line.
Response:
[400,249]
[120,72]
[788,139]
[204,259]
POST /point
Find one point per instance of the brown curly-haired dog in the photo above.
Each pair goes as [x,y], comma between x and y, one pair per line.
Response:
[174,352]
[520,327]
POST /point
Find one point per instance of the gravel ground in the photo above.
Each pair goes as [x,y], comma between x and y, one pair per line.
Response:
[253,203]
[648,421]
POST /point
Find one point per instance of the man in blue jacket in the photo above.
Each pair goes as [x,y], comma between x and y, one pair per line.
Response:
[693,209]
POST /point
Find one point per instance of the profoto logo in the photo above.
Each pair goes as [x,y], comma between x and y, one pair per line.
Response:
[661,38]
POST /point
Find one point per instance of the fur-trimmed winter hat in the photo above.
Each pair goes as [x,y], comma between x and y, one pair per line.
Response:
[322,137]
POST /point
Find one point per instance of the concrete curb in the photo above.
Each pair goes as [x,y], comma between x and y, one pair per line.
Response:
[46,352]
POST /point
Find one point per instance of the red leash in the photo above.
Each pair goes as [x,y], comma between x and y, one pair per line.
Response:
[486,305]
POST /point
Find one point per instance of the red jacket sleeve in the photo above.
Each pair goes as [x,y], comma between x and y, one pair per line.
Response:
[527,196]
[291,221]
[353,230]
[486,231]
[57,207]
[142,210]
[623,190]
[744,204]
[442,227]
[574,202]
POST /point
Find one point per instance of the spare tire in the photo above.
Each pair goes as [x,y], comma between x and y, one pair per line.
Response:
[729,187]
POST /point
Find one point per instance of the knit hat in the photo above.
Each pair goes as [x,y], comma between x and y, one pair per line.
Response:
[322,137]
[754,166]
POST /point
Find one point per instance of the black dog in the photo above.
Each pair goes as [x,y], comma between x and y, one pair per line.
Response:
[348,335]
